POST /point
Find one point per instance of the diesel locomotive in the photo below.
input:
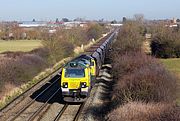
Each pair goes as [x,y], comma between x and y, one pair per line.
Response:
[78,76]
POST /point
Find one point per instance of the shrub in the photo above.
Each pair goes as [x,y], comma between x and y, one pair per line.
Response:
[20,67]
[138,111]
[148,83]
[126,63]
[165,42]
[139,77]
[77,36]
[95,31]
[58,49]
[129,38]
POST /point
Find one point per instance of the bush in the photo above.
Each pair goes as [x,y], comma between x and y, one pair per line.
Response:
[58,49]
[18,68]
[125,63]
[147,84]
[138,111]
[165,42]
[77,36]
[95,31]
[129,38]
[141,78]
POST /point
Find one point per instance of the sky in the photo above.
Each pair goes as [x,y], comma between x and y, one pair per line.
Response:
[21,10]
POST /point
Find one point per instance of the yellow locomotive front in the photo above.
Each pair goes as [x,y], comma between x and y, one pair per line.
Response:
[75,82]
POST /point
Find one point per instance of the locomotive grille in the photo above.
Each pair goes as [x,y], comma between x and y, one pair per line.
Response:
[74,85]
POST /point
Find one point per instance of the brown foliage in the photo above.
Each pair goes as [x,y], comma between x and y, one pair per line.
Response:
[140,77]
[137,111]
[17,68]
[58,48]
[129,38]
[165,42]
[129,61]
[95,31]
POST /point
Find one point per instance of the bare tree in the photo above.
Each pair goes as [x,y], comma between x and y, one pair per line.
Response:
[139,17]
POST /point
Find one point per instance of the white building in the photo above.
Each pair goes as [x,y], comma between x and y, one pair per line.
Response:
[29,24]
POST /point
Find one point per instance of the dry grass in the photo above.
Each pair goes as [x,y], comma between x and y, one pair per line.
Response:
[138,111]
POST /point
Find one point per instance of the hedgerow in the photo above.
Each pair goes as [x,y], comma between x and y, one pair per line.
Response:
[144,90]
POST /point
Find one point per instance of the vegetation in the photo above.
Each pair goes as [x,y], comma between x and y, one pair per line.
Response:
[138,79]
[95,31]
[130,37]
[139,111]
[17,68]
[144,90]
[173,65]
[14,32]
[165,42]
[19,45]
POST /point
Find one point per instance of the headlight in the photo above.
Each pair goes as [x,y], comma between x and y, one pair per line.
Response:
[65,85]
[83,85]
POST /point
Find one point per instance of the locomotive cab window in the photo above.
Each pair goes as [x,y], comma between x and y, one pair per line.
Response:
[74,73]
[92,63]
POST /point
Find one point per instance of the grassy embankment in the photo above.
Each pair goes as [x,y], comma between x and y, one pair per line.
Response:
[173,65]
[19,45]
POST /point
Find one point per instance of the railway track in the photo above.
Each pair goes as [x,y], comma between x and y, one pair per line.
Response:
[38,103]
[62,115]
[49,92]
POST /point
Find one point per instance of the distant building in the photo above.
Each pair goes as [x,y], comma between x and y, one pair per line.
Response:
[174,20]
[30,24]
[51,24]
[69,25]
[116,25]
[172,23]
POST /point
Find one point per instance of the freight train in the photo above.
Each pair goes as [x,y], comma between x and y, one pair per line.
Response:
[78,76]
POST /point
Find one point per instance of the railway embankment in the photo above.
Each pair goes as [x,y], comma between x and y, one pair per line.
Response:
[98,104]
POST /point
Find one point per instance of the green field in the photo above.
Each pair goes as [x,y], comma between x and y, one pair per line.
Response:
[173,65]
[19,45]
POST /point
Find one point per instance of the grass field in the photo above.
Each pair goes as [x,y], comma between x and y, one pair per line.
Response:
[173,65]
[19,45]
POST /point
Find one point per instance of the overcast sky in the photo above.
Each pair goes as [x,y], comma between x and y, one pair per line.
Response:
[88,9]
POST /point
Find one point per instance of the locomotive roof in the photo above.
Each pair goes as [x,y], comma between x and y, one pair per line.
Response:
[76,64]
[85,56]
